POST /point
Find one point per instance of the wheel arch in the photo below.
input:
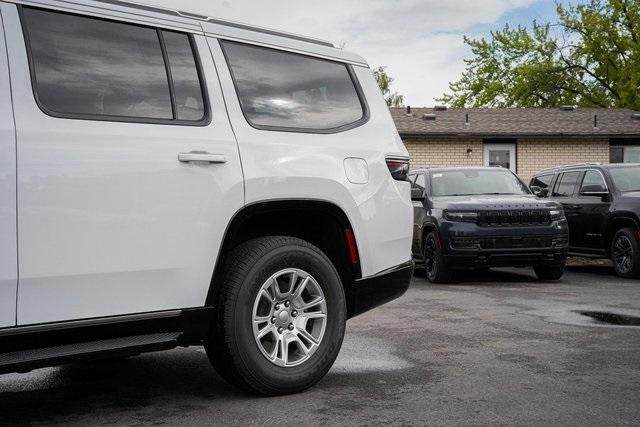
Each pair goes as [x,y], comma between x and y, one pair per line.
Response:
[427,228]
[319,222]
[617,223]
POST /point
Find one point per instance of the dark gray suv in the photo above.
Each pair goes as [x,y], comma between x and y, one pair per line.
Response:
[602,204]
[477,218]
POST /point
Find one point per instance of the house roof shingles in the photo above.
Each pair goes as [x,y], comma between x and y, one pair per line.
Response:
[505,122]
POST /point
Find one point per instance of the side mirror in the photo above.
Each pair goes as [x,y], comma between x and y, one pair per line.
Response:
[539,191]
[594,190]
[417,194]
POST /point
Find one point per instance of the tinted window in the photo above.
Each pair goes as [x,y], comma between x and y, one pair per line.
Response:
[616,154]
[96,67]
[469,182]
[543,181]
[184,74]
[592,181]
[567,184]
[282,89]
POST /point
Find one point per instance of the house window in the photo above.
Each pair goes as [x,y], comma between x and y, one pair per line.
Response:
[624,150]
[624,154]
[500,153]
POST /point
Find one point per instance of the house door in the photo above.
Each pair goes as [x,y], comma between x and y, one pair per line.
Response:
[503,155]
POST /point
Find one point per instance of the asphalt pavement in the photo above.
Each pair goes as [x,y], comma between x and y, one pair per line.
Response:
[494,348]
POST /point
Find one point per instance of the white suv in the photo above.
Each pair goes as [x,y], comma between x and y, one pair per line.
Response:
[169,179]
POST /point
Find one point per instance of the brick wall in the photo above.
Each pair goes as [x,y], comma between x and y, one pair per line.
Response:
[445,152]
[532,154]
[536,154]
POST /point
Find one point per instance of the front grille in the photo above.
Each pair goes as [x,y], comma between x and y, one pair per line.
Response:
[513,218]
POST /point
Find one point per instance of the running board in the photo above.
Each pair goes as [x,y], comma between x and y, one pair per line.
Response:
[27,360]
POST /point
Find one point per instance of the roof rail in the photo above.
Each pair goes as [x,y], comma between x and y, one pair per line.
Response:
[196,16]
[572,165]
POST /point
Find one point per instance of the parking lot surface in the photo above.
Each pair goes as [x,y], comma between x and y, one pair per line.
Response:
[493,348]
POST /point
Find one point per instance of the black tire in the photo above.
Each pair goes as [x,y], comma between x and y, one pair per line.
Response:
[232,348]
[436,269]
[625,253]
[553,271]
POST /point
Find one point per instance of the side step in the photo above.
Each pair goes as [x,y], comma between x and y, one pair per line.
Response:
[26,360]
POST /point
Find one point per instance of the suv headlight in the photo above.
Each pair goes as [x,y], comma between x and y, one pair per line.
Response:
[556,214]
[467,216]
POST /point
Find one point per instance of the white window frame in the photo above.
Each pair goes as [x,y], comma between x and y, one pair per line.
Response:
[511,147]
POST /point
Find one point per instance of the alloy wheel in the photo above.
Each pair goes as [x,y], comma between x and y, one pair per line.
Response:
[289,317]
[623,253]
[430,253]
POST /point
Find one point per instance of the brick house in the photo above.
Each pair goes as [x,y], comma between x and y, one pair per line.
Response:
[523,139]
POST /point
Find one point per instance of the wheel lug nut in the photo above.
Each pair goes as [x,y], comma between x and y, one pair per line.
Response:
[277,307]
[280,330]
[273,319]
[294,313]
[287,303]
[291,326]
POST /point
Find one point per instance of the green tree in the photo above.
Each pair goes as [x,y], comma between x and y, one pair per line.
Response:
[589,58]
[384,80]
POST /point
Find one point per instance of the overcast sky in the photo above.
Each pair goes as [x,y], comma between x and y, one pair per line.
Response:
[420,41]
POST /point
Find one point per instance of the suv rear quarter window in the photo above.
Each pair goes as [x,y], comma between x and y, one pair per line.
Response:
[592,181]
[281,90]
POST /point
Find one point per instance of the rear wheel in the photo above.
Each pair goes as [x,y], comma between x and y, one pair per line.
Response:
[625,253]
[553,271]
[436,269]
[281,316]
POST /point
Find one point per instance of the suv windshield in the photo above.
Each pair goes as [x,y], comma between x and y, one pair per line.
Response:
[471,182]
[626,178]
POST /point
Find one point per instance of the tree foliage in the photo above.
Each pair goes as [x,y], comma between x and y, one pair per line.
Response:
[384,80]
[589,58]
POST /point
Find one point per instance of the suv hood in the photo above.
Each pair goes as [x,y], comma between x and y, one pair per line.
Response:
[492,202]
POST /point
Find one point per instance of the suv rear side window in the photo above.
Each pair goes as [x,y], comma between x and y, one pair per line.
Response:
[287,91]
[94,68]
[567,184]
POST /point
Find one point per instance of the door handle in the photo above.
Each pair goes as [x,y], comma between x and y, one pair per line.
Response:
[201,156]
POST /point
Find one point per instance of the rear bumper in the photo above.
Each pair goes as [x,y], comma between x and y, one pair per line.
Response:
[373,291]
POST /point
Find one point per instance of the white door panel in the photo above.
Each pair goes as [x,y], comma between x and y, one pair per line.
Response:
[111,222]
[8,250]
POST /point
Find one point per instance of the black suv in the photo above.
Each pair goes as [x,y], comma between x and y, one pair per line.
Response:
[602,204]
[477,218]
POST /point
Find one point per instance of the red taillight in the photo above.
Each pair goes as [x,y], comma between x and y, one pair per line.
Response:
[351,246]
[399,167]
